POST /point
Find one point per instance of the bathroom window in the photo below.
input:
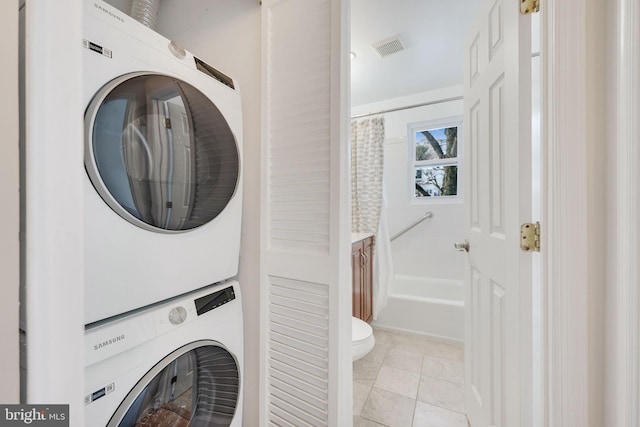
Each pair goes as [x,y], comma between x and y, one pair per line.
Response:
[434,154]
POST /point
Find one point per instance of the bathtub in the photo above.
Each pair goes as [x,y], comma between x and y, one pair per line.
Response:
[424,306]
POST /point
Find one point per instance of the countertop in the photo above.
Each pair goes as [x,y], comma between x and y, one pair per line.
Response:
[356,237]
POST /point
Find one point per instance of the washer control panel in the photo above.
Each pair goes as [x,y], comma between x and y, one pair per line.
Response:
[214,300]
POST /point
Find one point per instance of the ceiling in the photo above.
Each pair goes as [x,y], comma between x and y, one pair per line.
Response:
[433,33]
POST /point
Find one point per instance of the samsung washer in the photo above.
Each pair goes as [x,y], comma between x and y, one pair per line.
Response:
[176,364]
[163,147]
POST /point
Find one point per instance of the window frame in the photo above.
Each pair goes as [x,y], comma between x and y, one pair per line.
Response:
[412,129]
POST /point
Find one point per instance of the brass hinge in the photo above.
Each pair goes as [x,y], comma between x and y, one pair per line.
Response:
[529,6]
[530,237]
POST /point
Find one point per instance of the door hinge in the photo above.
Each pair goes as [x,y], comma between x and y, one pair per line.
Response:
[167,123]
[530,237]
[529,6]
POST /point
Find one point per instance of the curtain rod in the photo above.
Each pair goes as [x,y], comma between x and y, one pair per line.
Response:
[424,104]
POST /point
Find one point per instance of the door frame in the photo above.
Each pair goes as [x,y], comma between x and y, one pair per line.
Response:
[622,229]
[568,281]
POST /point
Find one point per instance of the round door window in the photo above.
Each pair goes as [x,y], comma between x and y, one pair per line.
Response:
[160,153]
[197,387]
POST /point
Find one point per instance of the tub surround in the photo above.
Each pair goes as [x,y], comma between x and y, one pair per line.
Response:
[429,307]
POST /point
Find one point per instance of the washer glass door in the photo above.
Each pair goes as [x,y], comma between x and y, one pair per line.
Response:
[160,153]
[196,386]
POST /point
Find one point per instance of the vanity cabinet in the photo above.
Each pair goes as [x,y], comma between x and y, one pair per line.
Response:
[362,278]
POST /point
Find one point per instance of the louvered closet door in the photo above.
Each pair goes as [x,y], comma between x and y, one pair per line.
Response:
[306,247]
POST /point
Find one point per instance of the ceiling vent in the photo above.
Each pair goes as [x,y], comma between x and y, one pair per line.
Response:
[388,46]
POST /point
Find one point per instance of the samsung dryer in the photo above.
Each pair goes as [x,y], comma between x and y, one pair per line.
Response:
[163,149]
[176,364]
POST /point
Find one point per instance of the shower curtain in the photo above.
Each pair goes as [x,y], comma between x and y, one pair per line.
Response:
[368,201]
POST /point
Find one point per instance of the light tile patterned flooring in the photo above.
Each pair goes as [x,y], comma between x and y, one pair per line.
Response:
[409,381]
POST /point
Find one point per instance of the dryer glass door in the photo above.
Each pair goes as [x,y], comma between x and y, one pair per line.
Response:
[196,388]
[160,153]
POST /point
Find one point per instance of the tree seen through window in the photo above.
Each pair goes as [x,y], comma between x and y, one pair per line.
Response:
[436,162]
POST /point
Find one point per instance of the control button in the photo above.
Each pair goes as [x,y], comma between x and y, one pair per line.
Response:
[177,315]
[177,50]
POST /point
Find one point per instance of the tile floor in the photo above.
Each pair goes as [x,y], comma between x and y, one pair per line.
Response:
[409,381]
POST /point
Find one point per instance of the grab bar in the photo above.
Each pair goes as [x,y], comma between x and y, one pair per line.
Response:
[428,214]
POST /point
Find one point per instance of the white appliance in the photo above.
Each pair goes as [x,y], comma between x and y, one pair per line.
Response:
[178,363]
[163,147]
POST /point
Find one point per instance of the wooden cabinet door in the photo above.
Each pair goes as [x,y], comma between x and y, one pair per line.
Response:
[362,279]
[356,279]
[367,280]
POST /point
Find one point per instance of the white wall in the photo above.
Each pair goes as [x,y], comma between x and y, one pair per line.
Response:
[9,214]
[426,250]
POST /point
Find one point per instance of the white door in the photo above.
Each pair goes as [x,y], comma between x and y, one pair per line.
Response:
[498,311]
[305,222]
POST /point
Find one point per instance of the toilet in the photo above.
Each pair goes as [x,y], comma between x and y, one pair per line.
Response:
[362,339]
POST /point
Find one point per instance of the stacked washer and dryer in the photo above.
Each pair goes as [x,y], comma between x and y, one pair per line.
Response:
[163,204]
